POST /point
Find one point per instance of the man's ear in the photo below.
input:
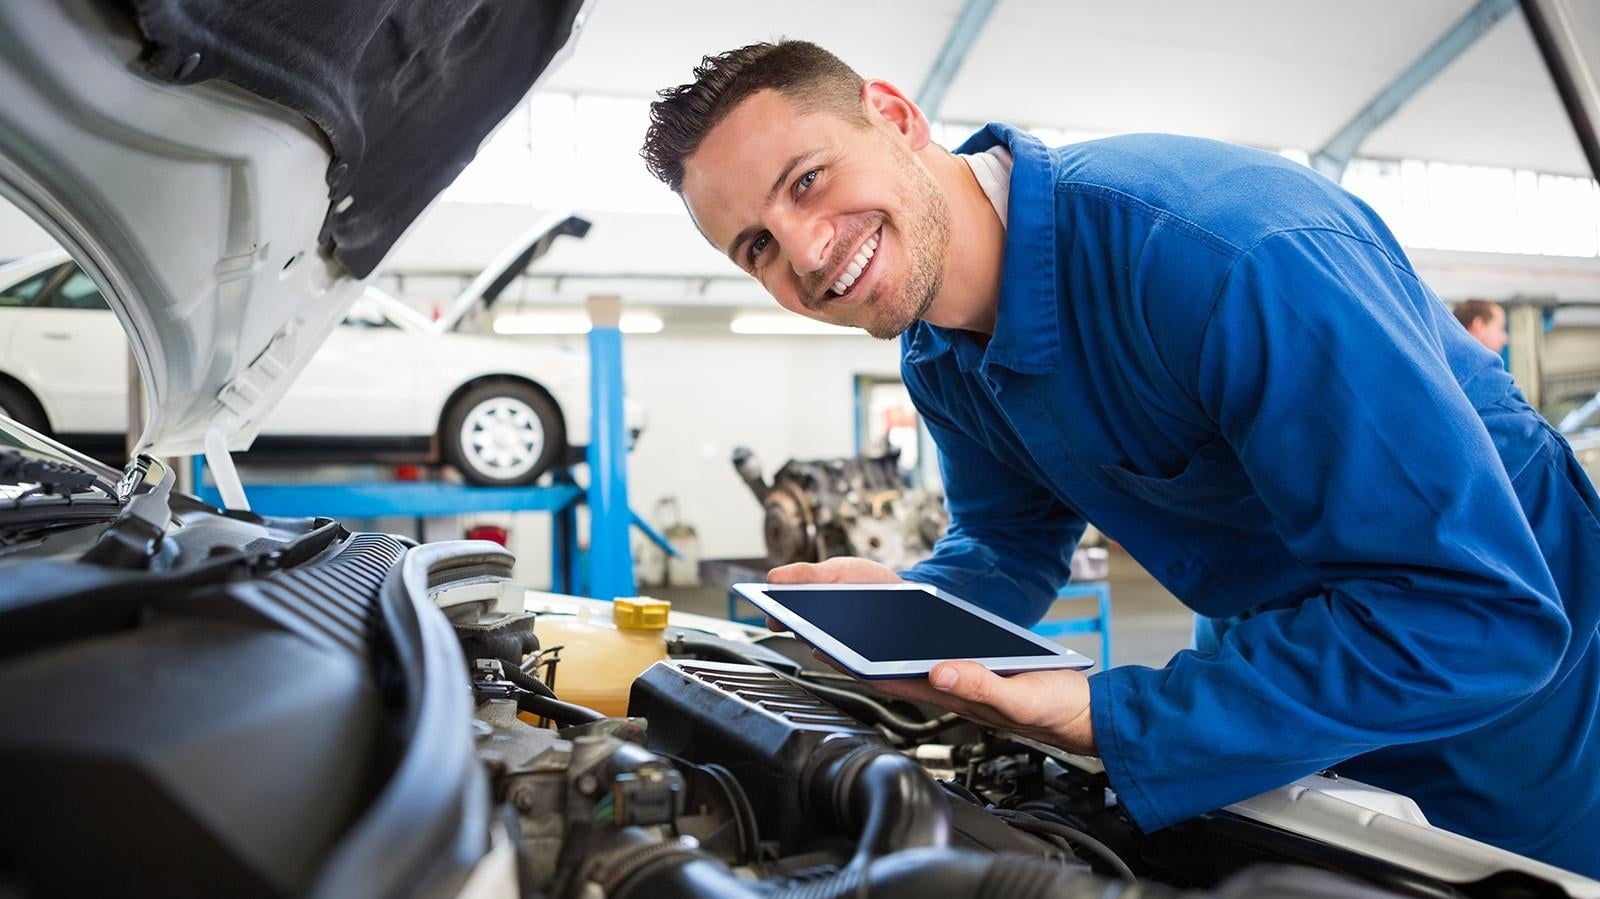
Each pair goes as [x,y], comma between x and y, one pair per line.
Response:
[885,103]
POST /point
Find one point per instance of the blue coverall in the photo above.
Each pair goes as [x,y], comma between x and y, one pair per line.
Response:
[1227,363]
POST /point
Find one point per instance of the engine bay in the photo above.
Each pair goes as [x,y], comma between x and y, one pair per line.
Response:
[281,708]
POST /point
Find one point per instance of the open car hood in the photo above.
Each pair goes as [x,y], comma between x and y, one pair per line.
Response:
[1567,33]
[230,174]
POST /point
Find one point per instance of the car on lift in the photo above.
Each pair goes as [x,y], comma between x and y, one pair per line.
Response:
[199,702]
[388,384]
[1581,426]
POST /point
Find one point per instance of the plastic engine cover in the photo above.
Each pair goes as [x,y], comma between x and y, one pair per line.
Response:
[747,719]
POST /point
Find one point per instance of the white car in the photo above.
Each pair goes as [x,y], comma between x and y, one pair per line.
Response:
[387,384]
[1581,427]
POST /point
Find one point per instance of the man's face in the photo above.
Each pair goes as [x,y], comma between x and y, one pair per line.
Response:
[837,219]
[1491,331]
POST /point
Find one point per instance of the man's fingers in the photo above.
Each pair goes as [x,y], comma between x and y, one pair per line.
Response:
[1029,699]
[795,573]
[838,570]
[967,680]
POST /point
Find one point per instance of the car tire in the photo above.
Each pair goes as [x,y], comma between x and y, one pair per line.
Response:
[503,433]
[17,404]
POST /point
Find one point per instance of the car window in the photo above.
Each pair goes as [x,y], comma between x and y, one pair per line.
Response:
[366,314]
[77,292]
[23,292]
[1584,418]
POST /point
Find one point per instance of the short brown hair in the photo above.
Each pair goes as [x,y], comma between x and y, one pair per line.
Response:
[800,70]
[1469,311]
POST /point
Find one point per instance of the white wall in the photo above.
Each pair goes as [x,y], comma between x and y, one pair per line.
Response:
[783,397]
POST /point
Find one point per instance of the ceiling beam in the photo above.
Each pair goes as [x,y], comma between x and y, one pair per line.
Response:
[1341,148]
[974,14]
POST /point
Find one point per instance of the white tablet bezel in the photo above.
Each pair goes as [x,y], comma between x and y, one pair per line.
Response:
[757,594]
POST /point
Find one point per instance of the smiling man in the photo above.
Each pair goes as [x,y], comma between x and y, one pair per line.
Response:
[1228,364]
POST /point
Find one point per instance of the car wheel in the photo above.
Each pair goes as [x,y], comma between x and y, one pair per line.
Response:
[503,433]
[19,406]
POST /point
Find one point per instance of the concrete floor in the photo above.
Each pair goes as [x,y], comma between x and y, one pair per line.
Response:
[1148,625]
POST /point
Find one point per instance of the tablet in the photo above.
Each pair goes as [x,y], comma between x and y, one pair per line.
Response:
[903,630]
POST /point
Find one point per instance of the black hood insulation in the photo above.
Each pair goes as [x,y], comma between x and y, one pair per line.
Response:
[404,90]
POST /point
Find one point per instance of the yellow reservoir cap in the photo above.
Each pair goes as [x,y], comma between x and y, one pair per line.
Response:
[640,613]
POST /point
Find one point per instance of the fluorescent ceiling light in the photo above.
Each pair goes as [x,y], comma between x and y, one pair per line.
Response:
[571,323]
[779,323]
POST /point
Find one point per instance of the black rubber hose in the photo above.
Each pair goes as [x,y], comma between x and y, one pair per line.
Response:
[563,713]
[1072,835]
[867,707]
[848,700]
[913,874]
[882,798]
[527,681]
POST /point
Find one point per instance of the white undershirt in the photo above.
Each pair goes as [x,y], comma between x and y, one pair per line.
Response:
[992,168]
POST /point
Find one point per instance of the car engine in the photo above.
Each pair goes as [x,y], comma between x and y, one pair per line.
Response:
[820,508]
[260,707]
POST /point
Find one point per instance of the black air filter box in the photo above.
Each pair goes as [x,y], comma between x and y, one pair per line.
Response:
[747,719]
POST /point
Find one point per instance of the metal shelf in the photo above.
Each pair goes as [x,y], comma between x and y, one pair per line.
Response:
[377,499]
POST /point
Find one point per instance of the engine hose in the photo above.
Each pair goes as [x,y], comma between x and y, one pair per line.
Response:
[867,707]
[565,714]
[882,798]
[848,700]
[1074,837]
[929,873]
[527,681]
[850,785]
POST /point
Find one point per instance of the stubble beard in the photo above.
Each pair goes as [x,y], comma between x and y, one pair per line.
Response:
[924,241]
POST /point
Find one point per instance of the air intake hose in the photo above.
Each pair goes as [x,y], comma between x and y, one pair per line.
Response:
[927,873]
[882,798]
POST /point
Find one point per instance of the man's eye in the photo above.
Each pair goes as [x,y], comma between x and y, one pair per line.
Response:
[758,245]
[806,181]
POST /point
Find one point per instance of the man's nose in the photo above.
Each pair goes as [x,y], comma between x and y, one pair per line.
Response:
[809,240]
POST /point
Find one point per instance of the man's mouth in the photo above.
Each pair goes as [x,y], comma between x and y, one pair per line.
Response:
[857,267]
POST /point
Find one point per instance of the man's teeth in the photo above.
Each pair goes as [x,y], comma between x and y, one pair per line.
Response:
[856,267]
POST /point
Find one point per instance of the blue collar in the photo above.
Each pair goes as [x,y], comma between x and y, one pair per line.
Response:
[1027,335]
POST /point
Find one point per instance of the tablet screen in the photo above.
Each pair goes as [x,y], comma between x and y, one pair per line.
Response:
[903,625]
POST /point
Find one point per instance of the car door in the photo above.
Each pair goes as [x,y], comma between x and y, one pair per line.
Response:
[68,347]
[16,297]
[359,384]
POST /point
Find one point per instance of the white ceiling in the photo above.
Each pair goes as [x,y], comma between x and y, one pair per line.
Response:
[1273,73]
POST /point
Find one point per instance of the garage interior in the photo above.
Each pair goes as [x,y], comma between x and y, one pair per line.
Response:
[689,395]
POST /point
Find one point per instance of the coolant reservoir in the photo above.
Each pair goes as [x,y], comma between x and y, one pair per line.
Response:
[600,659]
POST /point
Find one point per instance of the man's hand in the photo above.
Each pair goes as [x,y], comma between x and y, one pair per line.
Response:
[1049,706]
[837,570]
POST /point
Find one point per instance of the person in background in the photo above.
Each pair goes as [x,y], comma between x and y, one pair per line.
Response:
[1484,320]
[1228,364]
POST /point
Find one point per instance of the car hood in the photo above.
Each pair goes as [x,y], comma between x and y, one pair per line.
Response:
[1567,33]
[230,174]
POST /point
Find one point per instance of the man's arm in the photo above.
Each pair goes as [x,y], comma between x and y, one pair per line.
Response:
[1010,541]
[1321,367]
[1322,373]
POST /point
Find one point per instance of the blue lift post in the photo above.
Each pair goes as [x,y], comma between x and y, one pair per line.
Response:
[610,558]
